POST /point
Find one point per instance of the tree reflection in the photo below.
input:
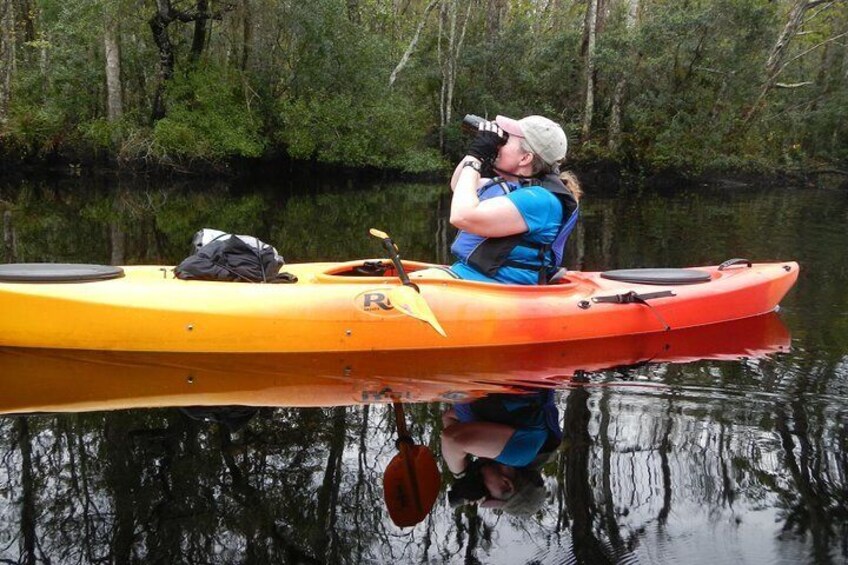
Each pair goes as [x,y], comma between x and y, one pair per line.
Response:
[815,506]
[302,486]
[579,495]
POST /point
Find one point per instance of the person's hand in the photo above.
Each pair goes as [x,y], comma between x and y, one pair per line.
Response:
[490,138]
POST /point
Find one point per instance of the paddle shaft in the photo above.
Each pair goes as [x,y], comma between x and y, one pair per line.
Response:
[405,446]
[394,255]
[400,421]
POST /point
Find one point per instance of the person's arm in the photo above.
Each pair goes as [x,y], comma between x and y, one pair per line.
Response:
[481,439]
[458,170]
[495,217]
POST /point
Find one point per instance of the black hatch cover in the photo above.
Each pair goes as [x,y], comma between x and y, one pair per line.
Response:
[657,276]
[57,272]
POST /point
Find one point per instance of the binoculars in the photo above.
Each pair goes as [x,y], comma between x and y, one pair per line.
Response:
[471,123]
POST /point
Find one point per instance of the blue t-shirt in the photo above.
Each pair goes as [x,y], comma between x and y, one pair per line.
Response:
[542,213]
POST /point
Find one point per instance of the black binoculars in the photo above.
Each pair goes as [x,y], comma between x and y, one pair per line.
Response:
[471,123]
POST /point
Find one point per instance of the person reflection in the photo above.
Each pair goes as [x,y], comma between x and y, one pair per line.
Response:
[495,448]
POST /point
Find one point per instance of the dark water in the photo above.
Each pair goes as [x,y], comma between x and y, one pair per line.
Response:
[737,460]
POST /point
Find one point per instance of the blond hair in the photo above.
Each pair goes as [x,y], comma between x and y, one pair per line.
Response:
[570,180]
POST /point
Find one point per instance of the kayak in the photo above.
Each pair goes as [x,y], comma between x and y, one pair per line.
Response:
[64,380]
[346,307]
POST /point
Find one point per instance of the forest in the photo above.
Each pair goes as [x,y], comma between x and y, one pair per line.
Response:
[201,85]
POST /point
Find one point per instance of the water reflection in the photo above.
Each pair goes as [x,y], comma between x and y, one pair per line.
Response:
[655,460]
[665,459]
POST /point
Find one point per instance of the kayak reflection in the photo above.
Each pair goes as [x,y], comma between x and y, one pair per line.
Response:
[35,380]
[495,447]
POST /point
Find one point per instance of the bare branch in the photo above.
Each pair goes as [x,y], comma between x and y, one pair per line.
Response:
[813,48]
[817,13]
[793,85]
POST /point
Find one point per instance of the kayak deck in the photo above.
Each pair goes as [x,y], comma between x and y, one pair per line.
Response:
[332,307]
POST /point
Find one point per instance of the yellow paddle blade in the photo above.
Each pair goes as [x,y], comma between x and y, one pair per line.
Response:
[377,233]
[409,302]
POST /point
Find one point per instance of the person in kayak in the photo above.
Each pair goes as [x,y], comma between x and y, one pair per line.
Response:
[495,446]
[513,210]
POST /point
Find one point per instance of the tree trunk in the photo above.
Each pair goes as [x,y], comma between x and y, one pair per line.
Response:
[27,13]
[607,449]
[7,55]
[164,16]
[589,31]
[326,541]
[442,229]
[247,34]
[9,237]
[199,40]
[778,54]
[29,513]
[579,493]
[408,53]
[455,39]
[845,64]
[118,238]
[114,103]
[621,85]
[159,26]
[494,13]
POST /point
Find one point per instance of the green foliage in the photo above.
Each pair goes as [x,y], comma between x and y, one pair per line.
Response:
[311,79]
[337,106]
[105,135]
[35,129]
[208,118]
[339,129]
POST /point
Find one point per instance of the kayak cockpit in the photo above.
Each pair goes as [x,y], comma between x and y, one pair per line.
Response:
[419,272]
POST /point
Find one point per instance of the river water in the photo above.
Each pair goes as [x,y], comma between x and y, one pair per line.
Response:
[719,447]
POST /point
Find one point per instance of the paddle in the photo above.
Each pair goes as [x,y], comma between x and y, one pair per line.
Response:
[411,482]
[407,298]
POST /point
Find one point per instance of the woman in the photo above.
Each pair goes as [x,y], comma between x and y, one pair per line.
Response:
[512,209]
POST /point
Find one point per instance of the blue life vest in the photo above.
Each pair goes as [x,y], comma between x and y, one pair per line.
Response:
[488,254]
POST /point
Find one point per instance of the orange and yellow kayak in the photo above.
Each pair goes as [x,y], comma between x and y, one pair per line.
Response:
[332,308]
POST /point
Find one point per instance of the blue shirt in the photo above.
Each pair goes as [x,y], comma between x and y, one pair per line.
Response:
[542,213]
[530,434]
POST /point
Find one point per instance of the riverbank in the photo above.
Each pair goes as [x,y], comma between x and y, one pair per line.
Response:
[608,174]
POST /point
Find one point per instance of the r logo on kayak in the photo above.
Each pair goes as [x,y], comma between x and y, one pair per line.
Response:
[373,300]
[376,302]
